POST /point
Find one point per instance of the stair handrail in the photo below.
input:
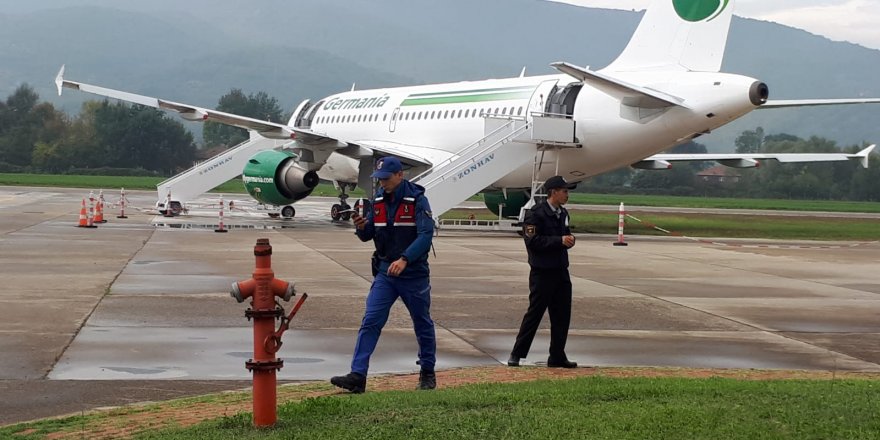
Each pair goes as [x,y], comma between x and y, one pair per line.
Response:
[463,152]
[442,175]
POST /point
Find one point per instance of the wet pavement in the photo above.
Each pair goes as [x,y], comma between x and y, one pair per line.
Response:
[132,311]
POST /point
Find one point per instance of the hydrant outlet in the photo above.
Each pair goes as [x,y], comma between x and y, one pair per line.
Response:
[236,293]
[290,293]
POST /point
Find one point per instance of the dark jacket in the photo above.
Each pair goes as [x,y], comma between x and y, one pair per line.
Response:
[543,232]
[401,225]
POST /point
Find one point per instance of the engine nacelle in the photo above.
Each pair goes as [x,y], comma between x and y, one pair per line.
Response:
[508,207]
[274,178]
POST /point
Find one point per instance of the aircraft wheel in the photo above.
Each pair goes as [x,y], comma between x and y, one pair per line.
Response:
[288,212]
[334,212]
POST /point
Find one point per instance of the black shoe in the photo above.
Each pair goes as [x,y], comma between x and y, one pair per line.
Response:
[427,380]
[513,361]
[563,363]
[354,382]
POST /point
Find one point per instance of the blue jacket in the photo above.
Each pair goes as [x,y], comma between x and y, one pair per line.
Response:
[400,224]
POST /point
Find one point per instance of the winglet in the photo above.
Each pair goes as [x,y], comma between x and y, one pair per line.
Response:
[864,154]
[59,79]
[523,73]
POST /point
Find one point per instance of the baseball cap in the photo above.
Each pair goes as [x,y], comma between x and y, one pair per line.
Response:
[557,182]
[386,166]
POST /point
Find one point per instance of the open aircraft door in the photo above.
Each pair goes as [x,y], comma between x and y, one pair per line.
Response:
[541,98]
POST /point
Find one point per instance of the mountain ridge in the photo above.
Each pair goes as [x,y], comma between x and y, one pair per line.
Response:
[196,51]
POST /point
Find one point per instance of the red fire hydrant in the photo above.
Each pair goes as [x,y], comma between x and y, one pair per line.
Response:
[262,289]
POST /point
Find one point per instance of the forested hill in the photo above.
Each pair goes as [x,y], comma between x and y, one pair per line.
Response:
[195,51]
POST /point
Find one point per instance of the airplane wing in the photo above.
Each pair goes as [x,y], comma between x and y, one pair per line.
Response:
[415,156]
[780,103]
[267,129]
[664,161]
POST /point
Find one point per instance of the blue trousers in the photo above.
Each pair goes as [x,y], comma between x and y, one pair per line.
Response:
[416,296]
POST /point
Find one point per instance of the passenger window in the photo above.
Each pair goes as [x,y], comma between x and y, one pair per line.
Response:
[519,111]
[385,117]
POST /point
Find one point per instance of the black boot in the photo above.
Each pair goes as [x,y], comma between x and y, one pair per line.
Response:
[561,363]
[354,382]
[427,380]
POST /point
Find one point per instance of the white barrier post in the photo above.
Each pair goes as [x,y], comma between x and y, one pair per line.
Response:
[221,228]
[621,216]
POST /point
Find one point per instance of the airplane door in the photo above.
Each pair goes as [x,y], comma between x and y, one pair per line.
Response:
[392,124]
[541,97]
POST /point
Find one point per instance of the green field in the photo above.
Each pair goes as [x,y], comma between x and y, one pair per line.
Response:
[592,407]
[235,186]
[713,225]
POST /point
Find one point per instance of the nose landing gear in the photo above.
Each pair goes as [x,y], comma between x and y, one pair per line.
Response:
[337,211]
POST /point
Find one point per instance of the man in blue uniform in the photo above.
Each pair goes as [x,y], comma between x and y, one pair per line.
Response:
[548,239]
[401,226]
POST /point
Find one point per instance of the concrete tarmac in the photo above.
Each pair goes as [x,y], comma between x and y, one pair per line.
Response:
[131,312]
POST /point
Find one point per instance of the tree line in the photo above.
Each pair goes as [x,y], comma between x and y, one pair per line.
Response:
[113,138]
[123,139]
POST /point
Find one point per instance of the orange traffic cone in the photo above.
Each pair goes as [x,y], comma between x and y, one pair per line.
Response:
[83,221]
[85,216]
[99,209]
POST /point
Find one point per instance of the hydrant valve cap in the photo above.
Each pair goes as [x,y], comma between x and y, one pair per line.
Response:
[236,293]
[291,292]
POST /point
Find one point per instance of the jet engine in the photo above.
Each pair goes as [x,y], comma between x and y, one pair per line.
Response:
[508,207]
[275,178]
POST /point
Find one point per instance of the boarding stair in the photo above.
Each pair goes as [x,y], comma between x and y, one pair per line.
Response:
[509,143]
[211,173]
[504,148]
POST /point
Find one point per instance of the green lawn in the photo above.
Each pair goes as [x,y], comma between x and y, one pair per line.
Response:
[595,407]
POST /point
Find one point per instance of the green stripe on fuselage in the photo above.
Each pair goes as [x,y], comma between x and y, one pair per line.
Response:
[467,98]
[470,92]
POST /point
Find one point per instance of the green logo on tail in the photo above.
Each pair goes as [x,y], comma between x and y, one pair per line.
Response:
[699,10]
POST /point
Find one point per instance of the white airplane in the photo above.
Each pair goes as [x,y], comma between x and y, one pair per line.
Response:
[505,136]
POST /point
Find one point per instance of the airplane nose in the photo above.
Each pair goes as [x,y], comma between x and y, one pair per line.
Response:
[758,93]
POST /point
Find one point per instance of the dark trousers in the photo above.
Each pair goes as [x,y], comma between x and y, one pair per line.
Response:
[549,290]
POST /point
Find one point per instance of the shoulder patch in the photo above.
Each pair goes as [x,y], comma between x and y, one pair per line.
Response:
[530,230]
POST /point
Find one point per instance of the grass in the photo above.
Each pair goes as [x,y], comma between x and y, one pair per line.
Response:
[714,225]
[132,182]
[592,407]
[724,203]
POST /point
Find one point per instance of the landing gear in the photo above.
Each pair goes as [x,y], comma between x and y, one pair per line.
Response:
[288,212]
[336,211]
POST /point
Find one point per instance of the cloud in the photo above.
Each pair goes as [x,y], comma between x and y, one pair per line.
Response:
[852,20]
[855,21]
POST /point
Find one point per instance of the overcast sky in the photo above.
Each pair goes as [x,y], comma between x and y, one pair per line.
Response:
[855,21]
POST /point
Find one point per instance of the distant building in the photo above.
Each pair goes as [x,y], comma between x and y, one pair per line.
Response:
[719,175]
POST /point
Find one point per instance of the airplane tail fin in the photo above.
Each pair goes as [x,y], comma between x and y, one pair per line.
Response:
[678,35]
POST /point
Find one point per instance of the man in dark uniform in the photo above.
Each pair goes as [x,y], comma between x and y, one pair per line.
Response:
[401,226]
[548,239]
